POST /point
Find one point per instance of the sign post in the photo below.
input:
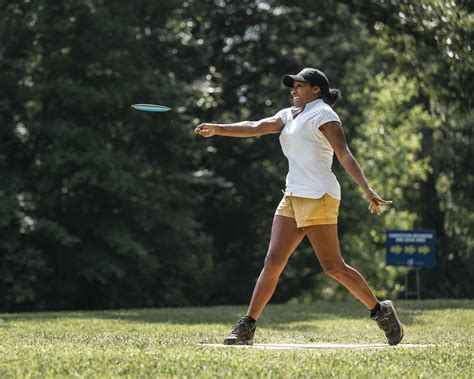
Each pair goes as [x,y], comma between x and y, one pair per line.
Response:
[411,248]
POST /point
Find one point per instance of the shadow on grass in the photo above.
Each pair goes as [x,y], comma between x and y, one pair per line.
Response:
[275,315]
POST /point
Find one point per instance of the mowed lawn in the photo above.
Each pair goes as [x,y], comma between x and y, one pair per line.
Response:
[168,343]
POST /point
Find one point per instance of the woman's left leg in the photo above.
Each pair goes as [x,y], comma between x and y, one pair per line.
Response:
[325,243]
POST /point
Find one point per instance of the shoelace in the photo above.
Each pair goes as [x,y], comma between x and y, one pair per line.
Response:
[241,326]
[385,324]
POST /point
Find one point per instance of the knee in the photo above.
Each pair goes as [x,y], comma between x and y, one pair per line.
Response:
[274,263]
[336,270]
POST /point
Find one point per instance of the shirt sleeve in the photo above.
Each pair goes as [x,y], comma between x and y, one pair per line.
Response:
[324,115]
[283,114]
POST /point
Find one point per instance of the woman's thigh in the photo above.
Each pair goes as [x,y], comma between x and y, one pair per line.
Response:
[285,237]
[325,243]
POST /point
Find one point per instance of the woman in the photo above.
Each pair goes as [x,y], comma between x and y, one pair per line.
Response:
[310,134]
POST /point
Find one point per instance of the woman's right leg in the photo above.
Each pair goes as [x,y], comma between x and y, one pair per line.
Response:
[285,238]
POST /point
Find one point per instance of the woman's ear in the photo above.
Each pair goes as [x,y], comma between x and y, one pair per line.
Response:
[316,90]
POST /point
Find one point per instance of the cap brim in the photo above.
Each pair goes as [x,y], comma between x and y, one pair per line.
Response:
[289,79]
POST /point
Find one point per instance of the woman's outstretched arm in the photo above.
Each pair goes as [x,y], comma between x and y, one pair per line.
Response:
[268,125]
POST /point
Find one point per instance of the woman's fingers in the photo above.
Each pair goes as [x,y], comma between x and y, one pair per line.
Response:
[374,208]
[374,205]
[201,127]
[203,130]
[375,201]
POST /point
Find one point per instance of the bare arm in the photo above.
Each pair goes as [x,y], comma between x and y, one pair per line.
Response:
[335,135]
[268,125]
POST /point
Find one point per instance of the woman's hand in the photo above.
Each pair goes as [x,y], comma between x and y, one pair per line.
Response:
[375,201]
[206,130]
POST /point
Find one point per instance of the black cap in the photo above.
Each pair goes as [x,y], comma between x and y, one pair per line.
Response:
[308,75]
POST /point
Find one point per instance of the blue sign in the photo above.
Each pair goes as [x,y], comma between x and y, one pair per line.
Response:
[412,248]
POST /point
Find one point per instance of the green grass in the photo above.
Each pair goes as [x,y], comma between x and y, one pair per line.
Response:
[166,343]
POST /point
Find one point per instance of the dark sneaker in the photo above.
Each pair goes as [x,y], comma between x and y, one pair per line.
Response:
[388,321]
[242,334]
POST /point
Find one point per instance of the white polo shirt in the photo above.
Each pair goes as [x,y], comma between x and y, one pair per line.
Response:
[309,153]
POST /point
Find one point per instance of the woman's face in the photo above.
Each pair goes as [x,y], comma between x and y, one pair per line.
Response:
[303,93]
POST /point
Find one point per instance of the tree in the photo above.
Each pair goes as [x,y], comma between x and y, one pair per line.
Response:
[432,43]
[99,199]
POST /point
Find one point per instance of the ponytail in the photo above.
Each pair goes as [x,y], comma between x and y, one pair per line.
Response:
[331,96]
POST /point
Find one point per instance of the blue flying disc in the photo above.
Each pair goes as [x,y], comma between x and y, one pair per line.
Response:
[151,107]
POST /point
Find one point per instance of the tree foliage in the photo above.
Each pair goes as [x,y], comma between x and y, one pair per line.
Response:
[103,206]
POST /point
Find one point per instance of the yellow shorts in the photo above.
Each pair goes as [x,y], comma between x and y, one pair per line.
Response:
[306,212]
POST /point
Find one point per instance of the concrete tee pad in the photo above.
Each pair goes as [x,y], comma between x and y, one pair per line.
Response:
[317,346]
